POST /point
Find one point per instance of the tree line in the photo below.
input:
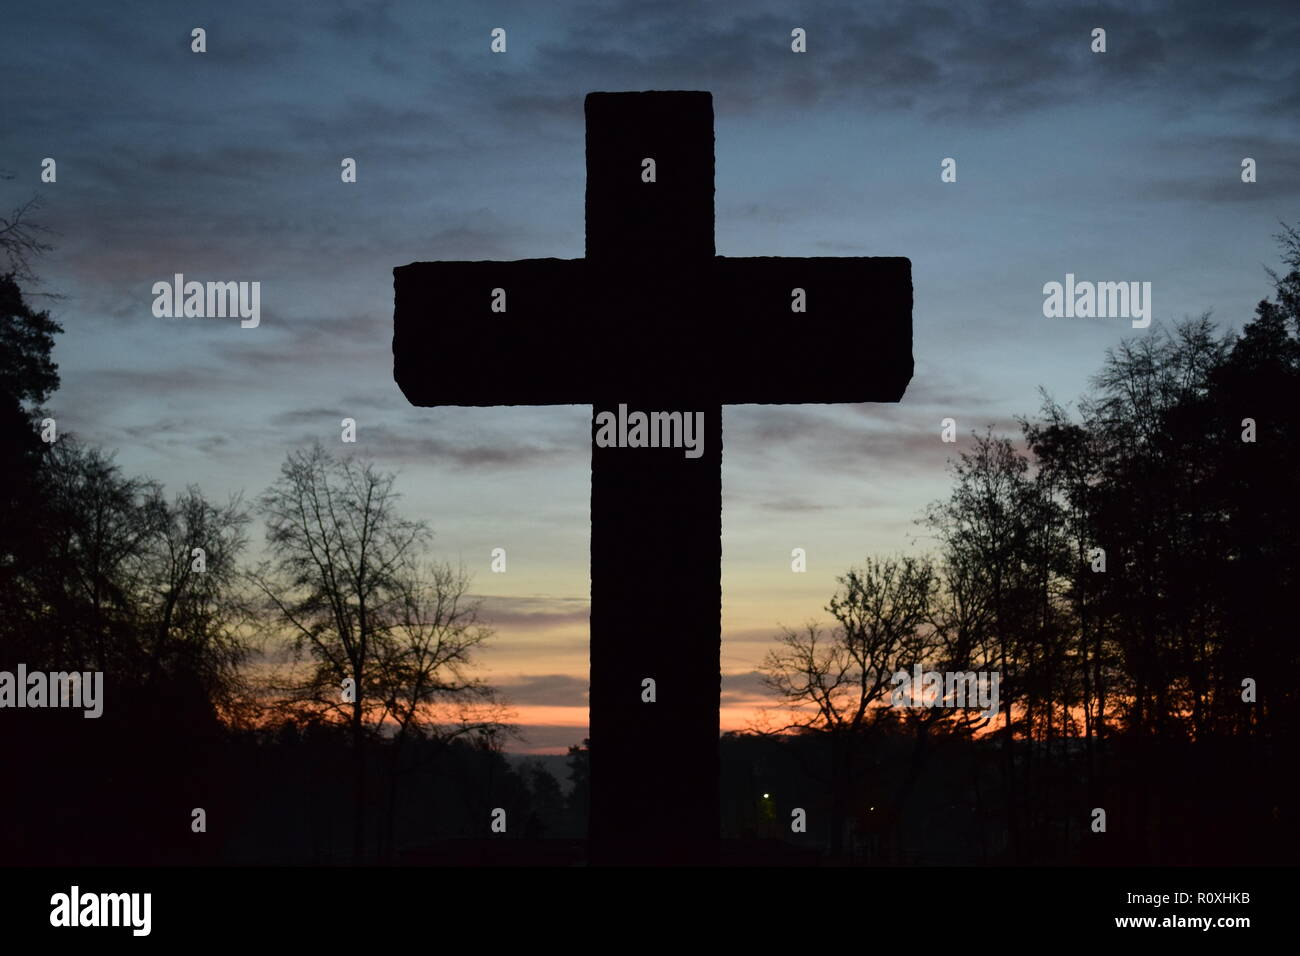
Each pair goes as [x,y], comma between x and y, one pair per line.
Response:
[1128,567]
[347,635]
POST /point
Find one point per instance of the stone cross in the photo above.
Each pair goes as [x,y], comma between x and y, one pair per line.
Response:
[652,321]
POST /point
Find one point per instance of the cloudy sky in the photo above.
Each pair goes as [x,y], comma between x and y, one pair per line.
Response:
[225,166]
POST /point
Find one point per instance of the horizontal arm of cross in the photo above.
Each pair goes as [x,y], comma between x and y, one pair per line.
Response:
[719,330]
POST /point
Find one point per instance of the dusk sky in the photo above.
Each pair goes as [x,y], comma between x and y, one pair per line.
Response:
[225,165]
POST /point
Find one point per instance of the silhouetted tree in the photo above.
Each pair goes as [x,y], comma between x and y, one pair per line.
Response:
[546,809]
[28,377]
[345,582]
[20,237]
[338,547]
[422,670]
[195,615]
[579,800]
[838,684]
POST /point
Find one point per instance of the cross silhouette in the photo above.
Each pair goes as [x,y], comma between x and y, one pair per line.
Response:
[652,320]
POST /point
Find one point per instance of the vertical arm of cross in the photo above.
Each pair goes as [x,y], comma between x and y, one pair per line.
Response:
[656,515]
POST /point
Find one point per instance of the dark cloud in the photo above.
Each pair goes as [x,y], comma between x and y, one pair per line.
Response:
[793,505]
[963,64]
[373,19]
[536,613]
[743,688]
[843,439]
[480,241]
[1217,176]
[760,637]
[828,442]
[306,416]
[555,690]
[505,451]
[106,383]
